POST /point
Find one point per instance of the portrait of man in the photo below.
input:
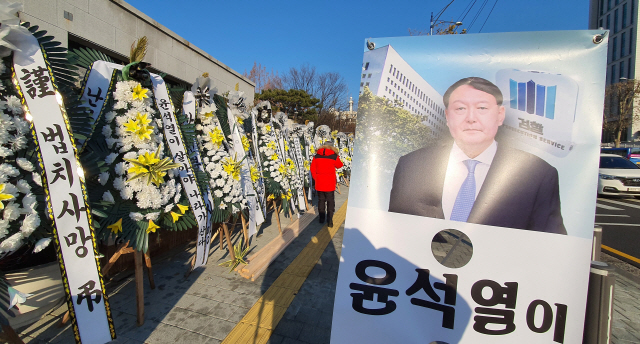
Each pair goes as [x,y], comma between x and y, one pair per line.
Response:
[472,177]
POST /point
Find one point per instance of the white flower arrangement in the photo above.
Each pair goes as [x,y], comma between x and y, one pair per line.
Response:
[140,172]
[20,213]
[222,169]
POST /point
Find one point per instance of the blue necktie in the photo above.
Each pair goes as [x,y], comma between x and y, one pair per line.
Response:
[466,195]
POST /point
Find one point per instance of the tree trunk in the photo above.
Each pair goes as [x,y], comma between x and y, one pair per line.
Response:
[617,140]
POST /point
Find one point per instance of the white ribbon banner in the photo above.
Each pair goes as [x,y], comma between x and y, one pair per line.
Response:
[255,213]
[204,235]
[68,208]
[174,139]
[297,152]
[307,153]
[95,89]
[259,185]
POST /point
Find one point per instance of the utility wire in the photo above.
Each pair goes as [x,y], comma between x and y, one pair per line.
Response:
[473,21]
[485,21]
[442,10]
[467,9]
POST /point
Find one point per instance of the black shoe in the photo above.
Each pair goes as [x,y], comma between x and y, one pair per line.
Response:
[321,220]
[330,219]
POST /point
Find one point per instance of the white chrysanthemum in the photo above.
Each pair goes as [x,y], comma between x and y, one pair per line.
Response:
[36,178]
[14,105]
[152,216]
[168,208]
[126,193]
[30,223]
[12,243]
[109,116]
[108,197]
[228,199]
[11,212]
[41,245]
[9,170]
[109,159]
[4,228]
[10,189]
[110,141]
[218,193]
[226,188]
[29,202]
[119,183]
[222,206]
[120,168]
[19,142]
[220,182]
[23,186]
[131,155]
[103,178]
[136,216]
[106,131]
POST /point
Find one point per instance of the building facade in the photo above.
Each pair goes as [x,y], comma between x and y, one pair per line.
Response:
[620,17]
[111,26]
[388,75]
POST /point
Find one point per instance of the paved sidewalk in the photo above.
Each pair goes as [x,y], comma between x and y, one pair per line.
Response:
[207,305]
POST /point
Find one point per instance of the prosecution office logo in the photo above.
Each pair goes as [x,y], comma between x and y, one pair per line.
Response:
[541,108]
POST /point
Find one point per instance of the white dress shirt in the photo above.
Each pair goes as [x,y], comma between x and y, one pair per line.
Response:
[457,172]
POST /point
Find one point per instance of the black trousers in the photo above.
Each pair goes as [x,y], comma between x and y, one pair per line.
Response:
[327,197]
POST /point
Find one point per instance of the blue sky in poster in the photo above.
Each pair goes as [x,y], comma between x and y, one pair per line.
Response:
[330,34]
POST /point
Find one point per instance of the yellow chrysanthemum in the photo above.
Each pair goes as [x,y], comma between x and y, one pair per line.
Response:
[232,168]
[267,127]
[150,167]
[271,145]
[255,174]
[274,156]
[348,158]
[175,216]
[270,197]
[286,147]
[152,227]
[282,169]
[208,114]
[334,134]
[240,120]
[287,196]
[131,126]
[143,119]
[139,92]
[116,227]
[291,164]
[183,208]
[4,196]
[307,165]
[312,149]
[245,143]
[216,136]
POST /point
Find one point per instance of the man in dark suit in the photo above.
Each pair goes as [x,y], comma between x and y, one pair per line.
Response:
[471,177]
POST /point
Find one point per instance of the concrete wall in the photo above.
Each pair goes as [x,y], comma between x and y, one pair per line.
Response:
[115,25]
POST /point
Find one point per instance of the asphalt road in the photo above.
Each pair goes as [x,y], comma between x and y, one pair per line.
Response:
[620,221]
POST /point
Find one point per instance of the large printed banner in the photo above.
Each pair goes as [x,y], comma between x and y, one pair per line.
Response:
[472,221]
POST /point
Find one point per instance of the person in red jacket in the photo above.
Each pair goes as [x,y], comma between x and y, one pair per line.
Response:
[323,171]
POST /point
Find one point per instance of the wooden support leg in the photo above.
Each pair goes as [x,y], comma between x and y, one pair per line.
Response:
[338,188]
[147,261]
[11,335]
[346,181]
[229,244]
[306,203]
[245,232]
[65,319]
[290,214]
[122,249]
[221,238]
[139,287]
[277,212]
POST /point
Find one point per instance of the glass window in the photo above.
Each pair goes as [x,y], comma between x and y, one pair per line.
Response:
[616,162]
[630,41]
[624,15]
[631,12]
[601,7]
[615,21]
[629,69]
[621,68]
[368,76]
[608,5]
[614,49]
[600,24]
[608,22]
[364,75]
[623,43]
[366,66]
[617,2]
[613,74]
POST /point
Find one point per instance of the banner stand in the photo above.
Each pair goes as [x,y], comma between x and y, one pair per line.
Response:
[305,198]
[244,230]
[276,211]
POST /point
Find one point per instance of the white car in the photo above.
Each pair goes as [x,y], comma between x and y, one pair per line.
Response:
[618,176]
